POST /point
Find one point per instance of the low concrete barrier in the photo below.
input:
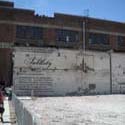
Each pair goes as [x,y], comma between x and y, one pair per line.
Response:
[24,117]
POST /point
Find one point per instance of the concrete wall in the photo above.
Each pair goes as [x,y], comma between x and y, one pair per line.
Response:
[60,72]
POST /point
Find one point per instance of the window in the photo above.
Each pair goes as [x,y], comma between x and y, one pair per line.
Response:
[101,39]
[28,32]
[121,41]
[66,36]
[28,36]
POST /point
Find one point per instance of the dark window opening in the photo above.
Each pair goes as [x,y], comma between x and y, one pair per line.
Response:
[67,36]
[28,32]
[98,39]
[28,36]
[121,41]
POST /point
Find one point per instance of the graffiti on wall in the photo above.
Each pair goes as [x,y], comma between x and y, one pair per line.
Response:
[37,61]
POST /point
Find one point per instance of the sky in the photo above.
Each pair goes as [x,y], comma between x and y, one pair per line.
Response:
[103,9]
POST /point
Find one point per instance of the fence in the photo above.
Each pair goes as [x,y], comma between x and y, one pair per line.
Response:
[24,117]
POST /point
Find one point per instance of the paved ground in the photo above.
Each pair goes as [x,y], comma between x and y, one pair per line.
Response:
[9,115]
[81,110]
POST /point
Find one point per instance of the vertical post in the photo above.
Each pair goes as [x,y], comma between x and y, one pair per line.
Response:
[110,64]
[84,43]
[32,91]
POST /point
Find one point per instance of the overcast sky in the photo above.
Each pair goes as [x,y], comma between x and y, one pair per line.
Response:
[104,9]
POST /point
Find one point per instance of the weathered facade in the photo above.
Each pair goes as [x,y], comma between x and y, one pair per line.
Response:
[21,27]
[50,72]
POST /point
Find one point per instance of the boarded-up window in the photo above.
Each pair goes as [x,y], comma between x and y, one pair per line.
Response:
[92,86]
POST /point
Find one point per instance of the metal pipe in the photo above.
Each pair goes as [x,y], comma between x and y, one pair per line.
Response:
[84,44]
[110,66]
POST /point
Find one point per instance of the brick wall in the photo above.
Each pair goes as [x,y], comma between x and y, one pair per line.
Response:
[22,15]
[6,33]
[6,4]
[5,65]
[49,36]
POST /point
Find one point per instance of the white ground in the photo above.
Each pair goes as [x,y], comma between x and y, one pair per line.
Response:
[84,110]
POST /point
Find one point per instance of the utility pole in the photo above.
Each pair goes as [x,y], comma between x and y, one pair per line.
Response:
[86,13]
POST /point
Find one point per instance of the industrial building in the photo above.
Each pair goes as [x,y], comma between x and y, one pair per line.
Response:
[24,28]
